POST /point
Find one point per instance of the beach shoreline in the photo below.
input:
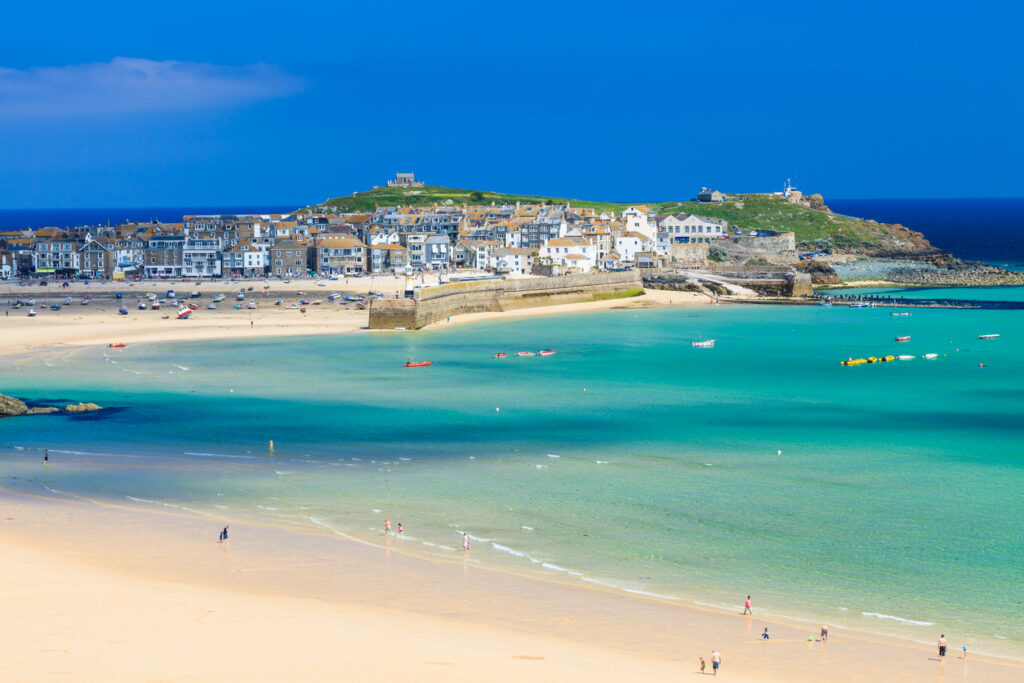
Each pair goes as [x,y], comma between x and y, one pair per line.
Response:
[151,570]
[99,323]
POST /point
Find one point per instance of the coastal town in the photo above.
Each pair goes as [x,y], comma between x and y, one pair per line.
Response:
[514,240]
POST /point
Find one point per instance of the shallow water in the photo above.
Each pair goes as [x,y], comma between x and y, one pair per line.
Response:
[882,497]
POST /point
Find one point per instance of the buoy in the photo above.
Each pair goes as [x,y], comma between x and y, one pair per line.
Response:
[780,452]
[497,410]
[981,365]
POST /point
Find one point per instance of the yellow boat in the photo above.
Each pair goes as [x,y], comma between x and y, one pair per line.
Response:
[853,361]
[886,359]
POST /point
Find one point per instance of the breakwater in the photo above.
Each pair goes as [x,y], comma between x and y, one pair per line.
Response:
[437,303]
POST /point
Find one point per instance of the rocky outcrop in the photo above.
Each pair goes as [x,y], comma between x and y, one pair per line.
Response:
[821,273]
[42,411]
[81,407]
[957,274]
[10,406]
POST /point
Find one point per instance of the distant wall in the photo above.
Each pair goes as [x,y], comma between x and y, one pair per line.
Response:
[436,303]
[778,249]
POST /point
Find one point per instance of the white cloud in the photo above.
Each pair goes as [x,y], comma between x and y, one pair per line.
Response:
[137,85]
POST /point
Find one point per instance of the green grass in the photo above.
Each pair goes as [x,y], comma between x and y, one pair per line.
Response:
[624,294]
[749,211]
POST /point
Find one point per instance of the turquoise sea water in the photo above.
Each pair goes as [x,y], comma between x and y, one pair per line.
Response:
[882,497]
[968,293]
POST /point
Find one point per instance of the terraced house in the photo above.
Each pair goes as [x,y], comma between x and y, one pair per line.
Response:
[288,259]
[339,256]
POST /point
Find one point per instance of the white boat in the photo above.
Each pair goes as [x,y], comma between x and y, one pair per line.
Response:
[212,307]
[899,315]
[988,336]
[546,352]
[709,344]
[905,357]
[930,356]
[217,299]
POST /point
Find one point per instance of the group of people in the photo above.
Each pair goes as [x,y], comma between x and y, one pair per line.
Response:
[399,531]
[943,645]
[716,661]
[223,535]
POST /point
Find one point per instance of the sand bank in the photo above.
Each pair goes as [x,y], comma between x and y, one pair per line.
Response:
[95,592]
[100,324]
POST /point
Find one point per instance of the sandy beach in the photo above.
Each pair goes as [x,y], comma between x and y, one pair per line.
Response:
[99,323]
[100,593]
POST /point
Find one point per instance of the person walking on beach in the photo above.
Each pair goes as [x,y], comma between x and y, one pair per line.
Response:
[746,606]
[400,531]
[465,542]
[965,650]
[224,535]
[46,455]
[387,527]
[765,636]
[824,633]
[702,665]
[716,661]
[942,647]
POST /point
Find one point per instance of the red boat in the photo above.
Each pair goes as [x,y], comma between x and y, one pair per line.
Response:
[907,338]
[546,352]
[500,355]
[418,364]
[116,346]
[524,353]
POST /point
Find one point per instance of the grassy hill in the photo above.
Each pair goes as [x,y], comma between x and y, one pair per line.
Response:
[813,227]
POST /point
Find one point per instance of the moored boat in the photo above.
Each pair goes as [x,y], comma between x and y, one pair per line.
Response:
[500,355]
[116,345]
[988,336]
[707,344]
[853,361]
[905,357]
[417,364]
[524,353]
[930,356]
[900,314]
[903,339]
[547,352]
[184,312]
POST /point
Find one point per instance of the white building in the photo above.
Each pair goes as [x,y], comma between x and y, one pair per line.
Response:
[513,261]
[201,258]
[687,227]
[638,219]
[628,244]
[571,252]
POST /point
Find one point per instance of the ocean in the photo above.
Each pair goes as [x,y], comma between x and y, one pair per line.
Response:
[12,219]
[990,230]
[884,497]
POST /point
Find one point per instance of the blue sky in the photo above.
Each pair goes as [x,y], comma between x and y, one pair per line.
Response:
[218,103]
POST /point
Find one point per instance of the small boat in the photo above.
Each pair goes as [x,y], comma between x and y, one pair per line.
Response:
[277,303]
[142,306]
[294,307]
[240,296]
[903,339]
[84,302]
[184,312]
[55,307]
[709,344]
[500,355]
[217,299]
[237,307]
[930,356]
[354,298]
[302,310]
[988,336]
[824,303]
[316,302]
[195,294]
[546,352]
[524,353]
[304,302]
[886,359]
[155,305]
[251,306]
[872,359]
[854,361]
[905,357]
[901,314]
[68,300]
[194,307]
[117,345]
[31,312]
[170,293]
[417,364]
[122,311]
[211,306]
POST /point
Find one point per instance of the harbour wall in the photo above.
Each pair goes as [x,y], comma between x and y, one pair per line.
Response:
[437,303]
